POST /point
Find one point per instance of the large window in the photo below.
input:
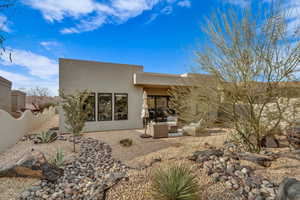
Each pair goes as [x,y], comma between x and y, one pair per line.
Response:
[121,106]
[92,101]
[104,106]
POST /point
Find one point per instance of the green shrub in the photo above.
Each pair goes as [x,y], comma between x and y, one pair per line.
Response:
[126,142]
[58,159]
[175,183]
[47,137]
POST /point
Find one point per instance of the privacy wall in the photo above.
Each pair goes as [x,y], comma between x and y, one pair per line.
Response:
[12,130]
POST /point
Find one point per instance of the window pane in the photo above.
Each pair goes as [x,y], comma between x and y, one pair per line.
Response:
[92,101]
[151,107]
[104,107]
[121,106]
[161,108]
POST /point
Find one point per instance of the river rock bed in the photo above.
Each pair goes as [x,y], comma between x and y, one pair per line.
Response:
[88,176]
[238,178]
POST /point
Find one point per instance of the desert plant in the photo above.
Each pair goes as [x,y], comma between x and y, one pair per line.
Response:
[191,104]
[175,183]
[38,96]
[58,159]
[77,110]
[253,59]
[127,142]
[44,106]
[47,137]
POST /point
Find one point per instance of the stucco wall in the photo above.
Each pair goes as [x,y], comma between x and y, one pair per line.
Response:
[152,79]
[12,130]
[103,78]
[17,100]
[5,99]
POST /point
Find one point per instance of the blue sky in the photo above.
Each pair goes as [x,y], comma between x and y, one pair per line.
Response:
[161,35]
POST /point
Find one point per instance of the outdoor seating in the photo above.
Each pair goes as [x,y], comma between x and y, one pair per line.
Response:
[172,124]
[193,129]
[159,130]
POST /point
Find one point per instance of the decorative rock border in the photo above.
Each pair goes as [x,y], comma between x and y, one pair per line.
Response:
[237,178]
[88,176]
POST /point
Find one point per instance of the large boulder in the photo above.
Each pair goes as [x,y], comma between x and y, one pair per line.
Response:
[289,189]
[270,142]
[32,164]
[201,156]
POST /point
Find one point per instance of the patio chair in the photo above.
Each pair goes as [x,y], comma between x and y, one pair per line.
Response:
[193,129]
[172,122]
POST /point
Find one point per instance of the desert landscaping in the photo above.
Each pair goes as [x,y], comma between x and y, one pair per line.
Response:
[104,169]
[150,112]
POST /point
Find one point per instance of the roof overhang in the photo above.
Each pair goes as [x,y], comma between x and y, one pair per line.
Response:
[156,80]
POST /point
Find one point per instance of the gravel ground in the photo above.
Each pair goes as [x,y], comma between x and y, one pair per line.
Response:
[46,126]
[138,187]
[139,183]
[141,153]
[10,188]
[140,146]
[135,155]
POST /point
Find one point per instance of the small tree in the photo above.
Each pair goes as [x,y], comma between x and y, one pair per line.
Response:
[254,55]
[76,111]
[191,103]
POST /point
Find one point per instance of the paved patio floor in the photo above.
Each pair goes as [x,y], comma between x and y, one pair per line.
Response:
[139,147]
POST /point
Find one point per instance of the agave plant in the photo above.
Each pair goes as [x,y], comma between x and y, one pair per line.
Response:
[47,137]
[175,183]
[59,159]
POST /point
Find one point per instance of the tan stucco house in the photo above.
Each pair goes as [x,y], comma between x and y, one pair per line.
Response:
[117,92]
[5,98]
[10,100]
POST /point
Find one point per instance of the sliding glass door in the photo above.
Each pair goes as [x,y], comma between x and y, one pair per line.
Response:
[158,108]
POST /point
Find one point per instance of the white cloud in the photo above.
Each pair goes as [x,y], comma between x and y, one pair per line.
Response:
[241,3]
[293,7]
[14,77]
[86,25]
[56,10]
[152,18]
[167,10]
[92,14]
[4,24]
[49,44]
[37,65]
[27,82]
[184,3]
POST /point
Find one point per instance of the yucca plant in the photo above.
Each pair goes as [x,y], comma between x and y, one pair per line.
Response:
[47,137]
[58,159]
[175,183]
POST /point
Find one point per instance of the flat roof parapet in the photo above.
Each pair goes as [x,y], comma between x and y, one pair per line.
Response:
[5,82]
[98,62]
[17,92]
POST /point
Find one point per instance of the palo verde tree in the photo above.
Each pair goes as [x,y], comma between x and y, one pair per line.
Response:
[253,54]
[77,110]
[190,102]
